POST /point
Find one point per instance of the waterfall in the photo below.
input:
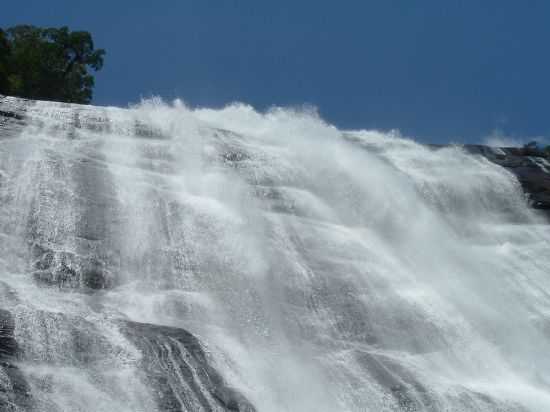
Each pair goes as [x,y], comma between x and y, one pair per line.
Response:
[163,258]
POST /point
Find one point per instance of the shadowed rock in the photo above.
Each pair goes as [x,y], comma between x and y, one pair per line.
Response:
[66,269]
[411,396]
[180,373]
[14,391]
[12,117]
[531,167]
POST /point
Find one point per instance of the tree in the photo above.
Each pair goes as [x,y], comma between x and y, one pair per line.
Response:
[49,64]
[4,52]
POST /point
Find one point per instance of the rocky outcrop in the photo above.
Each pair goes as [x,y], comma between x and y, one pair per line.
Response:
[12,117]
[14,391]
[530,166]
[70,241]
[66,269]
[180,372]
[70,250]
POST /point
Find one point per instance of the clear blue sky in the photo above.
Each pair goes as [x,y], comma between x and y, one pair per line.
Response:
[436,70]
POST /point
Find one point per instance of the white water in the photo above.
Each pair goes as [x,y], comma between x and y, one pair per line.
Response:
[325,271]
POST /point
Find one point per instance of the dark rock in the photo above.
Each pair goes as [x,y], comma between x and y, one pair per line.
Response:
[66,269]
[178,369]
[235,156]
[14,391]
[411,395]
[11,115]
[8,346]
[529,164]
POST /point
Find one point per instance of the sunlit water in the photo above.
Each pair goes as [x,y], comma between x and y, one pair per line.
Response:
[323,270]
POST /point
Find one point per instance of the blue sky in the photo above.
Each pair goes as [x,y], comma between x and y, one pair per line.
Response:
[439,71]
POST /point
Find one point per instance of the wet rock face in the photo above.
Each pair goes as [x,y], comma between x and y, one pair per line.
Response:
[531,167]
[68,217]
[12,119]
[66,269]
[178,369]
[8,346]
[82,263]
[68,205]
[14,391]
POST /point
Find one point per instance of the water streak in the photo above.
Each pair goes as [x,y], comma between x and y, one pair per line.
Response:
[322,270]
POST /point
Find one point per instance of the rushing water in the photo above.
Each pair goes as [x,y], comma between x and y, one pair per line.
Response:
[321,270]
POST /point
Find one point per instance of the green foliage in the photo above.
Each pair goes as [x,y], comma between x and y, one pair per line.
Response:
[49,64]
[4,52]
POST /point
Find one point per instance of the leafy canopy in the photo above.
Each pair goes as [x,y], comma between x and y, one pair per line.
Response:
[48,64]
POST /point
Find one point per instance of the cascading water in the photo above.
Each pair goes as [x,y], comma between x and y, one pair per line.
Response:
[165,259]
